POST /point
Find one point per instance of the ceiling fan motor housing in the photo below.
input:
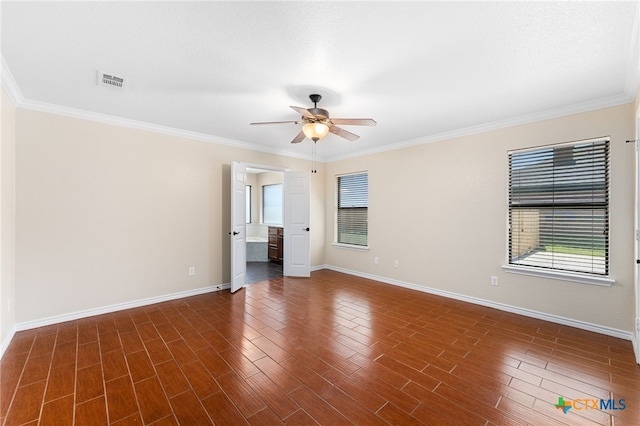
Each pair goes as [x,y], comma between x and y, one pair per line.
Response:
[321,114]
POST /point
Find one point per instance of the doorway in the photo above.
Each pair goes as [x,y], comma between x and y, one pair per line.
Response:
[294,253]
[264,204]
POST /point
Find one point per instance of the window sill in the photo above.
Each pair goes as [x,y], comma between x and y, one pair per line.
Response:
[350,247]
[557,275]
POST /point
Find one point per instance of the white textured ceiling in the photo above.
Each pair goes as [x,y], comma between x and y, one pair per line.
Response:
[422,70]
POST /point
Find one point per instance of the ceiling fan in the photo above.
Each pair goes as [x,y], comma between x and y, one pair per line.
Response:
[317,123]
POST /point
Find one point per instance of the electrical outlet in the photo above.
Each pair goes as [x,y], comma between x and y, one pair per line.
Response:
[376,260]
[494,280]
[192,271]
[396,264]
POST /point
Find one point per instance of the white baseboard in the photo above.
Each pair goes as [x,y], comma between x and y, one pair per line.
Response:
[500,306]
[117,307]
[583,325]
[318,268]
[5,343]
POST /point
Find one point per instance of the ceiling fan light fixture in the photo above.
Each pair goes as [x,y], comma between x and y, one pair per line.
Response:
[315,131]
[315,121]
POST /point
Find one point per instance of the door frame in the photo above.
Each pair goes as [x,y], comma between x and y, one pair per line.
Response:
[636,320]
[271,169]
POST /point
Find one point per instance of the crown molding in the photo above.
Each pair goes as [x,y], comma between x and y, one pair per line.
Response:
[14,93]
[9,84]
[495,125]
[156,128]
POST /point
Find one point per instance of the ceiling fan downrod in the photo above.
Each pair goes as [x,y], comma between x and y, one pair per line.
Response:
[315,98]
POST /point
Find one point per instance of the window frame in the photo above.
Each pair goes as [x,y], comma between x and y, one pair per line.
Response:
[547,272]
[336,242]
[248,201]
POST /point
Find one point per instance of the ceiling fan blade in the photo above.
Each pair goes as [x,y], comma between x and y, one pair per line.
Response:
[299,137]
[276,122]
[354,121]
[343,133]
[302,111]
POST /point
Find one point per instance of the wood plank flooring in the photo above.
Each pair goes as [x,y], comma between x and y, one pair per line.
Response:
[331,350]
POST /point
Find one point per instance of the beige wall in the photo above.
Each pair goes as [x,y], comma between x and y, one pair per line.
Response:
[7,217]
[440,210]
[108,215]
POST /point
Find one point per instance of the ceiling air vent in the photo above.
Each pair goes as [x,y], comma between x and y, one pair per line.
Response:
[110,80]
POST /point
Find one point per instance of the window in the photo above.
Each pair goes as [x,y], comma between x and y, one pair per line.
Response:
[248,203]
[559,207]
[272,204]
[353,203]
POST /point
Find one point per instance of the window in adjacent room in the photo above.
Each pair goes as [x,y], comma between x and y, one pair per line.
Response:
[248,203]
[272,204]
[353,205]
[559,208]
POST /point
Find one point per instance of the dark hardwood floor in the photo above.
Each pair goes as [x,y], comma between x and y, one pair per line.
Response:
[332,349]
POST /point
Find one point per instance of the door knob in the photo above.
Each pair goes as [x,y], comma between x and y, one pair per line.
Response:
[234,233]
[306,229]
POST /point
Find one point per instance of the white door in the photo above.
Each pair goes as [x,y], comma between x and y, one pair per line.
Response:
[238,226]
[636,328]
[297,259]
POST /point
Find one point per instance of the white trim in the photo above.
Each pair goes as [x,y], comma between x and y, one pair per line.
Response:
[636,345]
[350,247]
[583,325]
[607,102]
[557,275]
[319,268]
[9,84]
[16,96]
[156,128]
[501,306]
[7,340]
[12,90]
[117,307]
[636,240]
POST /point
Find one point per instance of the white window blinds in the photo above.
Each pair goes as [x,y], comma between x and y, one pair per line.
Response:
[559,207]
[353,204]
